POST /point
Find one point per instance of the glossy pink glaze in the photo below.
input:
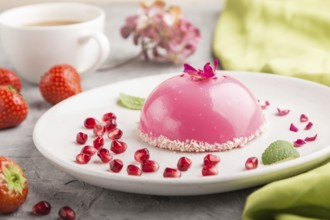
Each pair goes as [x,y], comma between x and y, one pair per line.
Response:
[212,111]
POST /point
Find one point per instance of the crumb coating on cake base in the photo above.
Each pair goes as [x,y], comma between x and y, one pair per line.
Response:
[197,146]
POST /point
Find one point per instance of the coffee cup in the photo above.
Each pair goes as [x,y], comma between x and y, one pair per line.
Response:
[37,37]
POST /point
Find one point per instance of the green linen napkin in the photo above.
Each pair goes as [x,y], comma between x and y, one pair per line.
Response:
[303,197]
[288,37]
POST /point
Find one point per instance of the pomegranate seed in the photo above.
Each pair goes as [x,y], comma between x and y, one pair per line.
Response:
[98,130]
[211,160]
[141,155]
[110,125]
[171,173]
[116,165]
[209,171]
[81,138]
[41,208]
[133,170]
[90,123]
[90,150]
[309,126]
[115,134]
[104,155]
[83,158]
[98,143]
[303,118]
[310,139]
[282,112]
[184,163]
[67,213]
[108,116]
[293,128]
[299,143]
[251,163]
[149,166]
[118,147]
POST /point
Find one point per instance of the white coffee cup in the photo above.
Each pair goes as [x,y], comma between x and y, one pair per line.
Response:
[35,38]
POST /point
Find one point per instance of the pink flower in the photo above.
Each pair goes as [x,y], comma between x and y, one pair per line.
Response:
[163,33]
[206,73]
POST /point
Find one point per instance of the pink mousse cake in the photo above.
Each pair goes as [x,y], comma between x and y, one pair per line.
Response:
[197,113]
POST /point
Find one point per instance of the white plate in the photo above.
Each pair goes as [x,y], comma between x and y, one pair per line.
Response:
[55,132]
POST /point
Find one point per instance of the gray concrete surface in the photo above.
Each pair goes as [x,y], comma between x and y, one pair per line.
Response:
[49,183]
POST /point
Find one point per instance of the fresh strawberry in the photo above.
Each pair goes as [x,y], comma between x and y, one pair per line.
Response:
[13,186]
[8,77]
[13,108]
[59,83]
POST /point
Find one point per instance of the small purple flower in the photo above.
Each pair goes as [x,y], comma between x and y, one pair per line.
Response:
[163,33]
[207,73]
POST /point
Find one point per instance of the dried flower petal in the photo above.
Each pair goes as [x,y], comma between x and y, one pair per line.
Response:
[267,103]
[176,11]
[159,4]
[189,69]
[282,112]
[309,126]
[125,32]
[136,38]
[215,63]
[293,128]
[299,143]
[303,118]
[208,71]
[310,139]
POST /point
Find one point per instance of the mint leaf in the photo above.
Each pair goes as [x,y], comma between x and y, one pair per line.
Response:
[279,151]
[130,102]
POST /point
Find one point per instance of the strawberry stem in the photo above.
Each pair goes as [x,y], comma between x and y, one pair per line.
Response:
[14,178]
[12,88]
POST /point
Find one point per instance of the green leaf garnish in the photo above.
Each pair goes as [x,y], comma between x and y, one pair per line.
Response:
[130,102]
[279,151]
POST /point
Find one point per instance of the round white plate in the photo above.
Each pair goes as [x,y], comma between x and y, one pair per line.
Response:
[54,136]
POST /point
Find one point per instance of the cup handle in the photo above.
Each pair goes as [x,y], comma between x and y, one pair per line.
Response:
[104,49]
